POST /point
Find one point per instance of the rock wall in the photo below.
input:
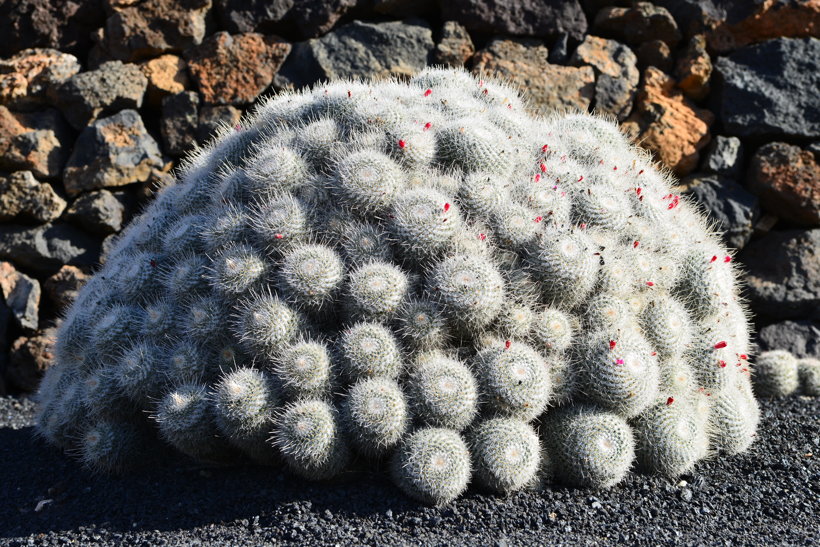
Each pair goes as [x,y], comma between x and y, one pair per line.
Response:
[100,99]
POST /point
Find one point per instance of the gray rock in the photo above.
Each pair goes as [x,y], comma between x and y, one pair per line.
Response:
[639,23]
[801,338]
[88,95]
[26,77]
[616,74]
[727,203]
[316,17]
[179,122]
[211,118]
[62,25]
[770,89]
[455,46]
[403,8]
[112,151]
[539,18]
[559,52]
[97,212]
[783,279]
[247,15]
[34,141]
[44,249]
[724,156]
[362,49]
[23,198]
[21,294]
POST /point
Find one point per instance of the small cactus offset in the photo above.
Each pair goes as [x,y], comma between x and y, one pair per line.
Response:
[422,275]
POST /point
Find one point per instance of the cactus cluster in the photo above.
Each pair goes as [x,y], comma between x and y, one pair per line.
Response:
[417,273]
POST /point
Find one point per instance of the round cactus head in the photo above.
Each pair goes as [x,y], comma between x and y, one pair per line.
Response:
[421,272]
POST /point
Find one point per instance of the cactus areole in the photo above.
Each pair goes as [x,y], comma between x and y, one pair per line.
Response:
[417,272]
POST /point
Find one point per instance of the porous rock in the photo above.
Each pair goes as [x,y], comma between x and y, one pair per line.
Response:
[655,53]
[616,74]
[179,122]
[731,206]
[136,30]
[770,89]
[639,23]
[316,17]
[235,69]
[362,49]
[753,22]
[112,151]
[33,141]
[89,95]
[23,198]
[62,287]
[787,179]
[694,69]
[539,18]
[211,118]
[238,16]
[44,249]
[800,338]
[783,279]
[65,25]
[524,62]
[98,212]
[724,156]
[21,294]
[668,124]
[455,46]
[25,77]
[166,75]
[29,359]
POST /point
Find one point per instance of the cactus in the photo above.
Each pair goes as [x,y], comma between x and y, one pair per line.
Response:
[381,267]
[809,371]
[776,374]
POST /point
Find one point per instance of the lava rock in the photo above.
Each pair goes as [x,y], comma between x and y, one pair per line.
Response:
[137,30]
[655,53]
[402,8]
[21,294]
[734,209]
[800,338]
[33,141]
[98,212]
[616,74]
[237,16]
[23,198]
[212,118]
[770,89]
[694,69]
[112,151]
[64,25]
[783,279]
[455,46]
[724,156]
[539,18]
[754,22]
[166,75]
[362,49]
[316,17]
[235,69]
[89,95]
[25,77]
[44,249]
[523,61]
[179,122]
[640,23]
[787,179]
[668,124]
[559,52]
[63,287]
[29,359]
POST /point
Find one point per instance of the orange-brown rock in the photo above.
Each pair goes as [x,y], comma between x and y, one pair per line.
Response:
[761,21]
[33,141]
[30,358]
[167,75]
[787,179]
[25,77]
[235,69]
[695,69]
[668,124]
[62,287]
[616,74]
[546,86]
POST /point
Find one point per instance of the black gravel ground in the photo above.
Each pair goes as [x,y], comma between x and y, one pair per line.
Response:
[769,496]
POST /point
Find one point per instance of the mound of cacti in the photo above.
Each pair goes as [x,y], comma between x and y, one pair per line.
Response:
[421,275]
